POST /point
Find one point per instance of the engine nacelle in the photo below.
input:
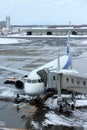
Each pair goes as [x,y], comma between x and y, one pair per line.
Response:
[19,84]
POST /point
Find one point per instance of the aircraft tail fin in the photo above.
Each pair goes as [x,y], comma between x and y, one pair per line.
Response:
[68,44]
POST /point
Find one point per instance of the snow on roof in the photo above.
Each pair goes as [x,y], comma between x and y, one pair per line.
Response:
[65,71]
[39,28]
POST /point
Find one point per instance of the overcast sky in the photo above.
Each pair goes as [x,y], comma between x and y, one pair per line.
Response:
[44,11]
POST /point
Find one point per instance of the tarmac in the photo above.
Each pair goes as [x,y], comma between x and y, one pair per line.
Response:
[27,56]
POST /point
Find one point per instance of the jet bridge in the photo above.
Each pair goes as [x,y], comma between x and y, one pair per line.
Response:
[68,80]
[74,83]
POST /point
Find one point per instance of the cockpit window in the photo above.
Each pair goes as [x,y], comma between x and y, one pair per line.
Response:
[39,80]
[34,81]
[29,81]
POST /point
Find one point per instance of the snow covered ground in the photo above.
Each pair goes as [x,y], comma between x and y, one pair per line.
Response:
[31,56]
[12,41]
[46,36]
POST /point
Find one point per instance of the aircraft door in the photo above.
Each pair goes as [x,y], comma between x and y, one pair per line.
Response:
[43,75]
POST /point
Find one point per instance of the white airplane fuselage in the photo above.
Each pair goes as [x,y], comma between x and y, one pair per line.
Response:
[34,85]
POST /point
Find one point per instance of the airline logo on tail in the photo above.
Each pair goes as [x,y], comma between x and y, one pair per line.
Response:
[68,63]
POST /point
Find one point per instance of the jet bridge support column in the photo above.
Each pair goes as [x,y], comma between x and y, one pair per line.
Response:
[73,100]
[59,100]
[58,79]
[64,103]
[58,86]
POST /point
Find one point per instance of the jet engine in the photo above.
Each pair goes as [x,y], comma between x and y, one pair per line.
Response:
[19,84]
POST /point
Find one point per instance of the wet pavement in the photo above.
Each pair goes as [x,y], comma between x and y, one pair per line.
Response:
[28,56]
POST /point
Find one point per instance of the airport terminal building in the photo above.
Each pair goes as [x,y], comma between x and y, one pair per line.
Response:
[53,30]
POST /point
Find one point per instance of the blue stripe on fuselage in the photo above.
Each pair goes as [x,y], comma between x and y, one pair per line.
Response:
[68,63]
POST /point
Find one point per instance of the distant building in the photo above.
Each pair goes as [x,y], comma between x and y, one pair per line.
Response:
[8,22]
[2,24]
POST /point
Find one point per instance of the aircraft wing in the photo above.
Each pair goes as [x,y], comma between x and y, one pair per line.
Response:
[15,70]
[64,64]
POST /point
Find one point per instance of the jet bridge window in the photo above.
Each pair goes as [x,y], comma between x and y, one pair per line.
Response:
[84,83]
[72,80]
[53,77]
[67,79]
[78,82]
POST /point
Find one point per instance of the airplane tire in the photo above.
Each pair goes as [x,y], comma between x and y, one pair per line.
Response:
[17,99]
[72,107]
[60,108]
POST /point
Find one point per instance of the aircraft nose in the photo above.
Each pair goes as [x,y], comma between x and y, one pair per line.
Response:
[34,88]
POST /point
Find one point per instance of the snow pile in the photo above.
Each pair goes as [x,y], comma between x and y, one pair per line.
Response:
[84,42]
[7,93]
[51,103]
[78,119]
[54,119]
[80,103]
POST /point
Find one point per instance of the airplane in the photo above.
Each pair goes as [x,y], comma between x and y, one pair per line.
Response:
[35,82]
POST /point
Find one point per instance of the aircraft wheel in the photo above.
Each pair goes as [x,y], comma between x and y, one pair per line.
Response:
[72,107]
[60,108]
[17,99]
